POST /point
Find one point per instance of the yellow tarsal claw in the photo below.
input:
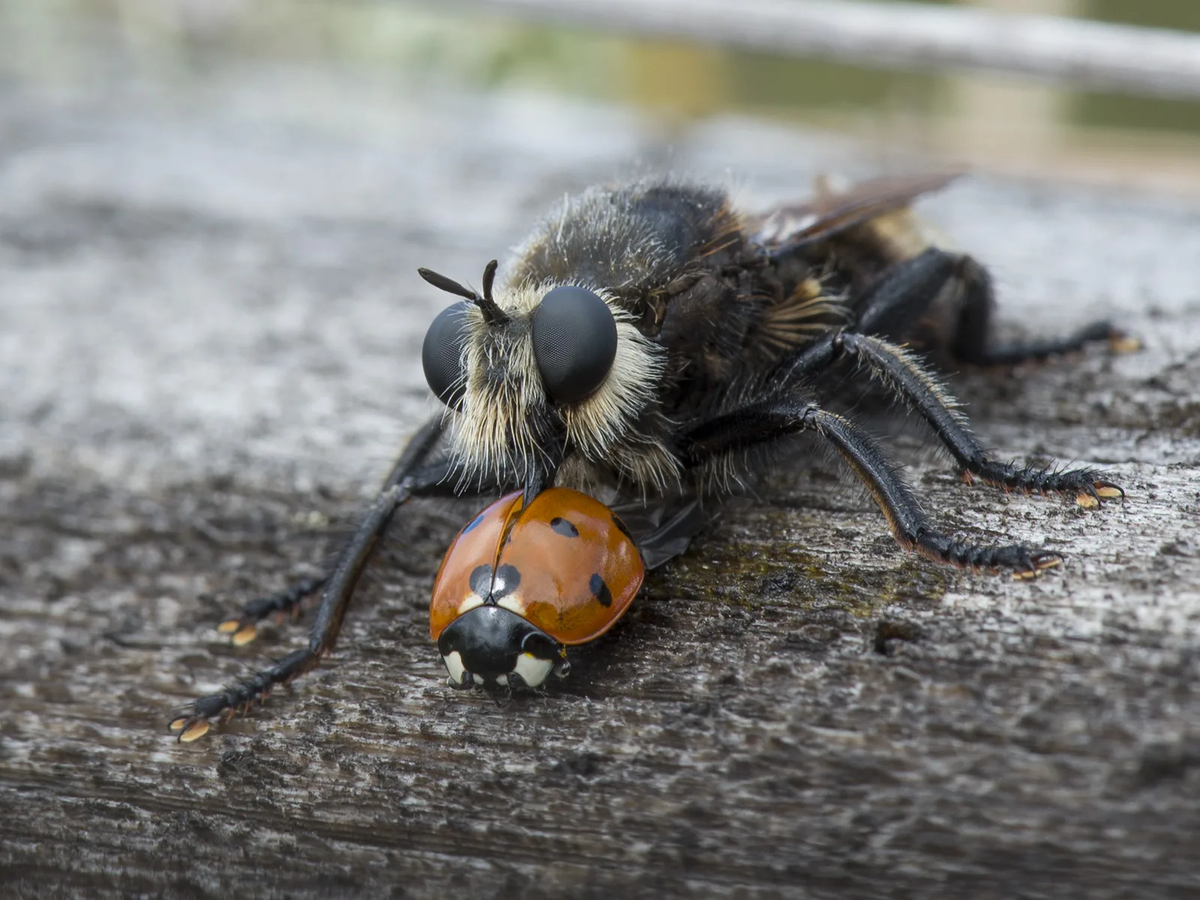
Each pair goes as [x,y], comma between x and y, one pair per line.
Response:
[1087,501]
[244,636]
[194,732]
[1123,343]
[1052,562]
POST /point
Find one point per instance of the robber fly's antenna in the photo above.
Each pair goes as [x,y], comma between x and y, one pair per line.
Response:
[492,313]
[489,277]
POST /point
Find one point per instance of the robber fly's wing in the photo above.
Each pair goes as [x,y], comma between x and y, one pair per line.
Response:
[832,211]
[663,531]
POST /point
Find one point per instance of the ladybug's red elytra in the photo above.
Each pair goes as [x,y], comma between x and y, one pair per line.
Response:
[520,584]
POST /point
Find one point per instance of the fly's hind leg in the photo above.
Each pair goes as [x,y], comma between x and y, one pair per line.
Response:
[946,300]
[971,341]
[946,287]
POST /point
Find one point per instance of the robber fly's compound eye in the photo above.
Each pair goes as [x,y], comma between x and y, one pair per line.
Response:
[574,342]
[441,354]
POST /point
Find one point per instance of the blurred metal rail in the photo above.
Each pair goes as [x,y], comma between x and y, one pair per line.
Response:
[1095,55]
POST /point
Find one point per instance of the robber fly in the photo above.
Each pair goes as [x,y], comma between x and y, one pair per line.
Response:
[648,339]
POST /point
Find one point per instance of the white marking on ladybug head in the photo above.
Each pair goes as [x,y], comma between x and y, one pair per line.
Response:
[454,665]
[533,671]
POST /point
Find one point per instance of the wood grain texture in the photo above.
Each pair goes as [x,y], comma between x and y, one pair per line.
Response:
[210,321]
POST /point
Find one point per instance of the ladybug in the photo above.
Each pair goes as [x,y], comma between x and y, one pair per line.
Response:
[521,583]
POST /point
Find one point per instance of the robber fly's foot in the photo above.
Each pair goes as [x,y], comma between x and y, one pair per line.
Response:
[237,698]
[1090,495]
[243,628]
[1022,561]
[1039,561]
[189,728]
[1089,487]
[240,630]
[1122,342]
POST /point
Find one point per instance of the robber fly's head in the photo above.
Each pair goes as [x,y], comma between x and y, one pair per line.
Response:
[535,373]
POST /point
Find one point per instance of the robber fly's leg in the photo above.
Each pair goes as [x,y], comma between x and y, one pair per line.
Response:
[339,587]
[971,342]
[901,372]
[416,452]
[334,601]
[243,627]
[764,422]
[900,298]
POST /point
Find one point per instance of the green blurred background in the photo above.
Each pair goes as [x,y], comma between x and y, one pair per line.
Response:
[1000,123]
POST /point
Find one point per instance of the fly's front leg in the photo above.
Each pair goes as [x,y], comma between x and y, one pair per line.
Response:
[243,628]
[672,537]
[409,477]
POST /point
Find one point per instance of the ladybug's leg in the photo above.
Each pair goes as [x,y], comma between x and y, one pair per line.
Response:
[409,478]
[770,420]
[243,627]
[900,371]
[894,306]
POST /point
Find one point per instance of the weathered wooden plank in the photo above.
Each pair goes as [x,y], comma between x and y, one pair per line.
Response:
[209,326]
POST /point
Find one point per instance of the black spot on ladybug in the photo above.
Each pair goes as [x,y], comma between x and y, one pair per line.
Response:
[600,590]
[473,524]
[481,580]
[563,527]
[506,581]
[621,527]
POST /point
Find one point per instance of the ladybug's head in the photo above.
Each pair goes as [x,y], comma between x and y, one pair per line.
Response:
[490,647]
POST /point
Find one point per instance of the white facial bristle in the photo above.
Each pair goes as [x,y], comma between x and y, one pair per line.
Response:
[491,434]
